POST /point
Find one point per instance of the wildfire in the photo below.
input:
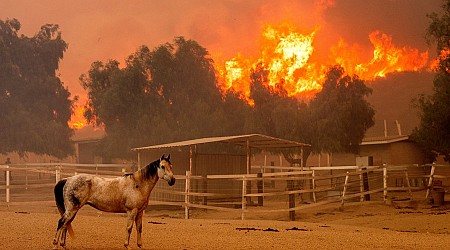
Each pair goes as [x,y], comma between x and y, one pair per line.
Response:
[77,120]
[286,55]
[443,55]
[387,58]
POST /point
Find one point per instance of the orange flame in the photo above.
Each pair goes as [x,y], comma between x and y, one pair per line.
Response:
[77,119]
[387,58]
[286,54]
[443,55]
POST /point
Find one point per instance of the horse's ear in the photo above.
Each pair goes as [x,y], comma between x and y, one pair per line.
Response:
[168,157]
[162,157]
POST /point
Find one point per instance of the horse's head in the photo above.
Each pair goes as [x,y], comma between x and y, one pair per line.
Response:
[165,170]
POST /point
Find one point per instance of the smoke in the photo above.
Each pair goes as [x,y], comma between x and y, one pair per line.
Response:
[113,29]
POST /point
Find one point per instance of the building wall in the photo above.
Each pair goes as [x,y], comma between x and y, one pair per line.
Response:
[381,153]
[396,153]
[405,152]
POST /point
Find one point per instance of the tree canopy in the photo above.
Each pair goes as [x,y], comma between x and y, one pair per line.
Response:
[171,93]
[340,113]
[433,132]
[35,106]
[335,120]
[163,95]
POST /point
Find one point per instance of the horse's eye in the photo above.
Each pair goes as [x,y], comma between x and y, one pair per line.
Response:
[162,167]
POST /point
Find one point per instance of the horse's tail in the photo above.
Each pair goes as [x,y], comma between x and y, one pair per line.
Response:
[59,198]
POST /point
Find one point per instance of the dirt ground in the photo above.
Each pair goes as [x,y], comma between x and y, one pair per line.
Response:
[368,225]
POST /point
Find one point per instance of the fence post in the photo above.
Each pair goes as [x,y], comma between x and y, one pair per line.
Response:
[407,183]
[8,175]
[313,175]
[361,185]
[385,186]
[430,180]
[26,177]
[186,195]
[260,184]
[244,199]
[57,174]
[345,189]
[205,189]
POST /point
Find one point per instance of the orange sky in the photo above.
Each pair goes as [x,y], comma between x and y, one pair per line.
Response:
[105,29]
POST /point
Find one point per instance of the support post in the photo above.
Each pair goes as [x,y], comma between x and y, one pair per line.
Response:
[249,184]
[186,195]
[430,180]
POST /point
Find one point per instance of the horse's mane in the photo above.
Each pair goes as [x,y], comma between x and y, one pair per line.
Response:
[150,170]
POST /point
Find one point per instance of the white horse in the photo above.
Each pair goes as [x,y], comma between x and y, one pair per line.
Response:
[128,193]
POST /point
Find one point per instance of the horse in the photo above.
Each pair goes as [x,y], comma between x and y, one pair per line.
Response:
[125,194]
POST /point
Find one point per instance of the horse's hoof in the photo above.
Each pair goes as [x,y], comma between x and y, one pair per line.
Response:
[139,245]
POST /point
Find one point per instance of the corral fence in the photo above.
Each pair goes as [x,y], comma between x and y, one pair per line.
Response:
[271,190]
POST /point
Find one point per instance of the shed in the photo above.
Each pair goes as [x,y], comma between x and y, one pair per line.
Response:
[224,155]
[392,150]
[189,150]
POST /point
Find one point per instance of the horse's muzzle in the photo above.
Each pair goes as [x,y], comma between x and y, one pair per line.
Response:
[172,181]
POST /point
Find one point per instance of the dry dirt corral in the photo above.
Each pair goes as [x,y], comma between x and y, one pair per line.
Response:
[369,226]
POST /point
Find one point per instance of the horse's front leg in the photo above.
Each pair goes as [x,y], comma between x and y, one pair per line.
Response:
[130,220]
[138,221]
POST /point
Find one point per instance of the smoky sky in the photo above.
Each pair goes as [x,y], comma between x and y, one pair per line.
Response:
[113,29]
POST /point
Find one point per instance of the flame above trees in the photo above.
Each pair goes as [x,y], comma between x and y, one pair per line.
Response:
[287,55]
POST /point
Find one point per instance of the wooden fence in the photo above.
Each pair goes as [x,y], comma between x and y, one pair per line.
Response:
[278,190]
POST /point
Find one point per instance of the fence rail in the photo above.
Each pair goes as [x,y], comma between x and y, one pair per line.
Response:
[278,191]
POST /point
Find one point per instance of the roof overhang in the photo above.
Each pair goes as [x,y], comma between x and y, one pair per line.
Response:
[253,140]
[384,140]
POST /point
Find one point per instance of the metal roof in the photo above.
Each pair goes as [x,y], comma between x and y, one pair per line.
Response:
[384,139]
[255,141]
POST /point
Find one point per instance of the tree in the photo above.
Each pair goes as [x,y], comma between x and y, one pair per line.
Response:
[166,94]
[275,113]
[35,106]
[340,114]
[433,132]
[335,120]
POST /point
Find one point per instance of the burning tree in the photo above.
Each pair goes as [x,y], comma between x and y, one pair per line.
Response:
[433,133]
[35,106]
[163,95]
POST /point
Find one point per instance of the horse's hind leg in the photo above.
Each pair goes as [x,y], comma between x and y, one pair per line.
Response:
[130,220]
[63,224]
[138,221]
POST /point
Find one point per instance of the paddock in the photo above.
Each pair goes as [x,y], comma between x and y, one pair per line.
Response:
[370,225]
[398,216]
